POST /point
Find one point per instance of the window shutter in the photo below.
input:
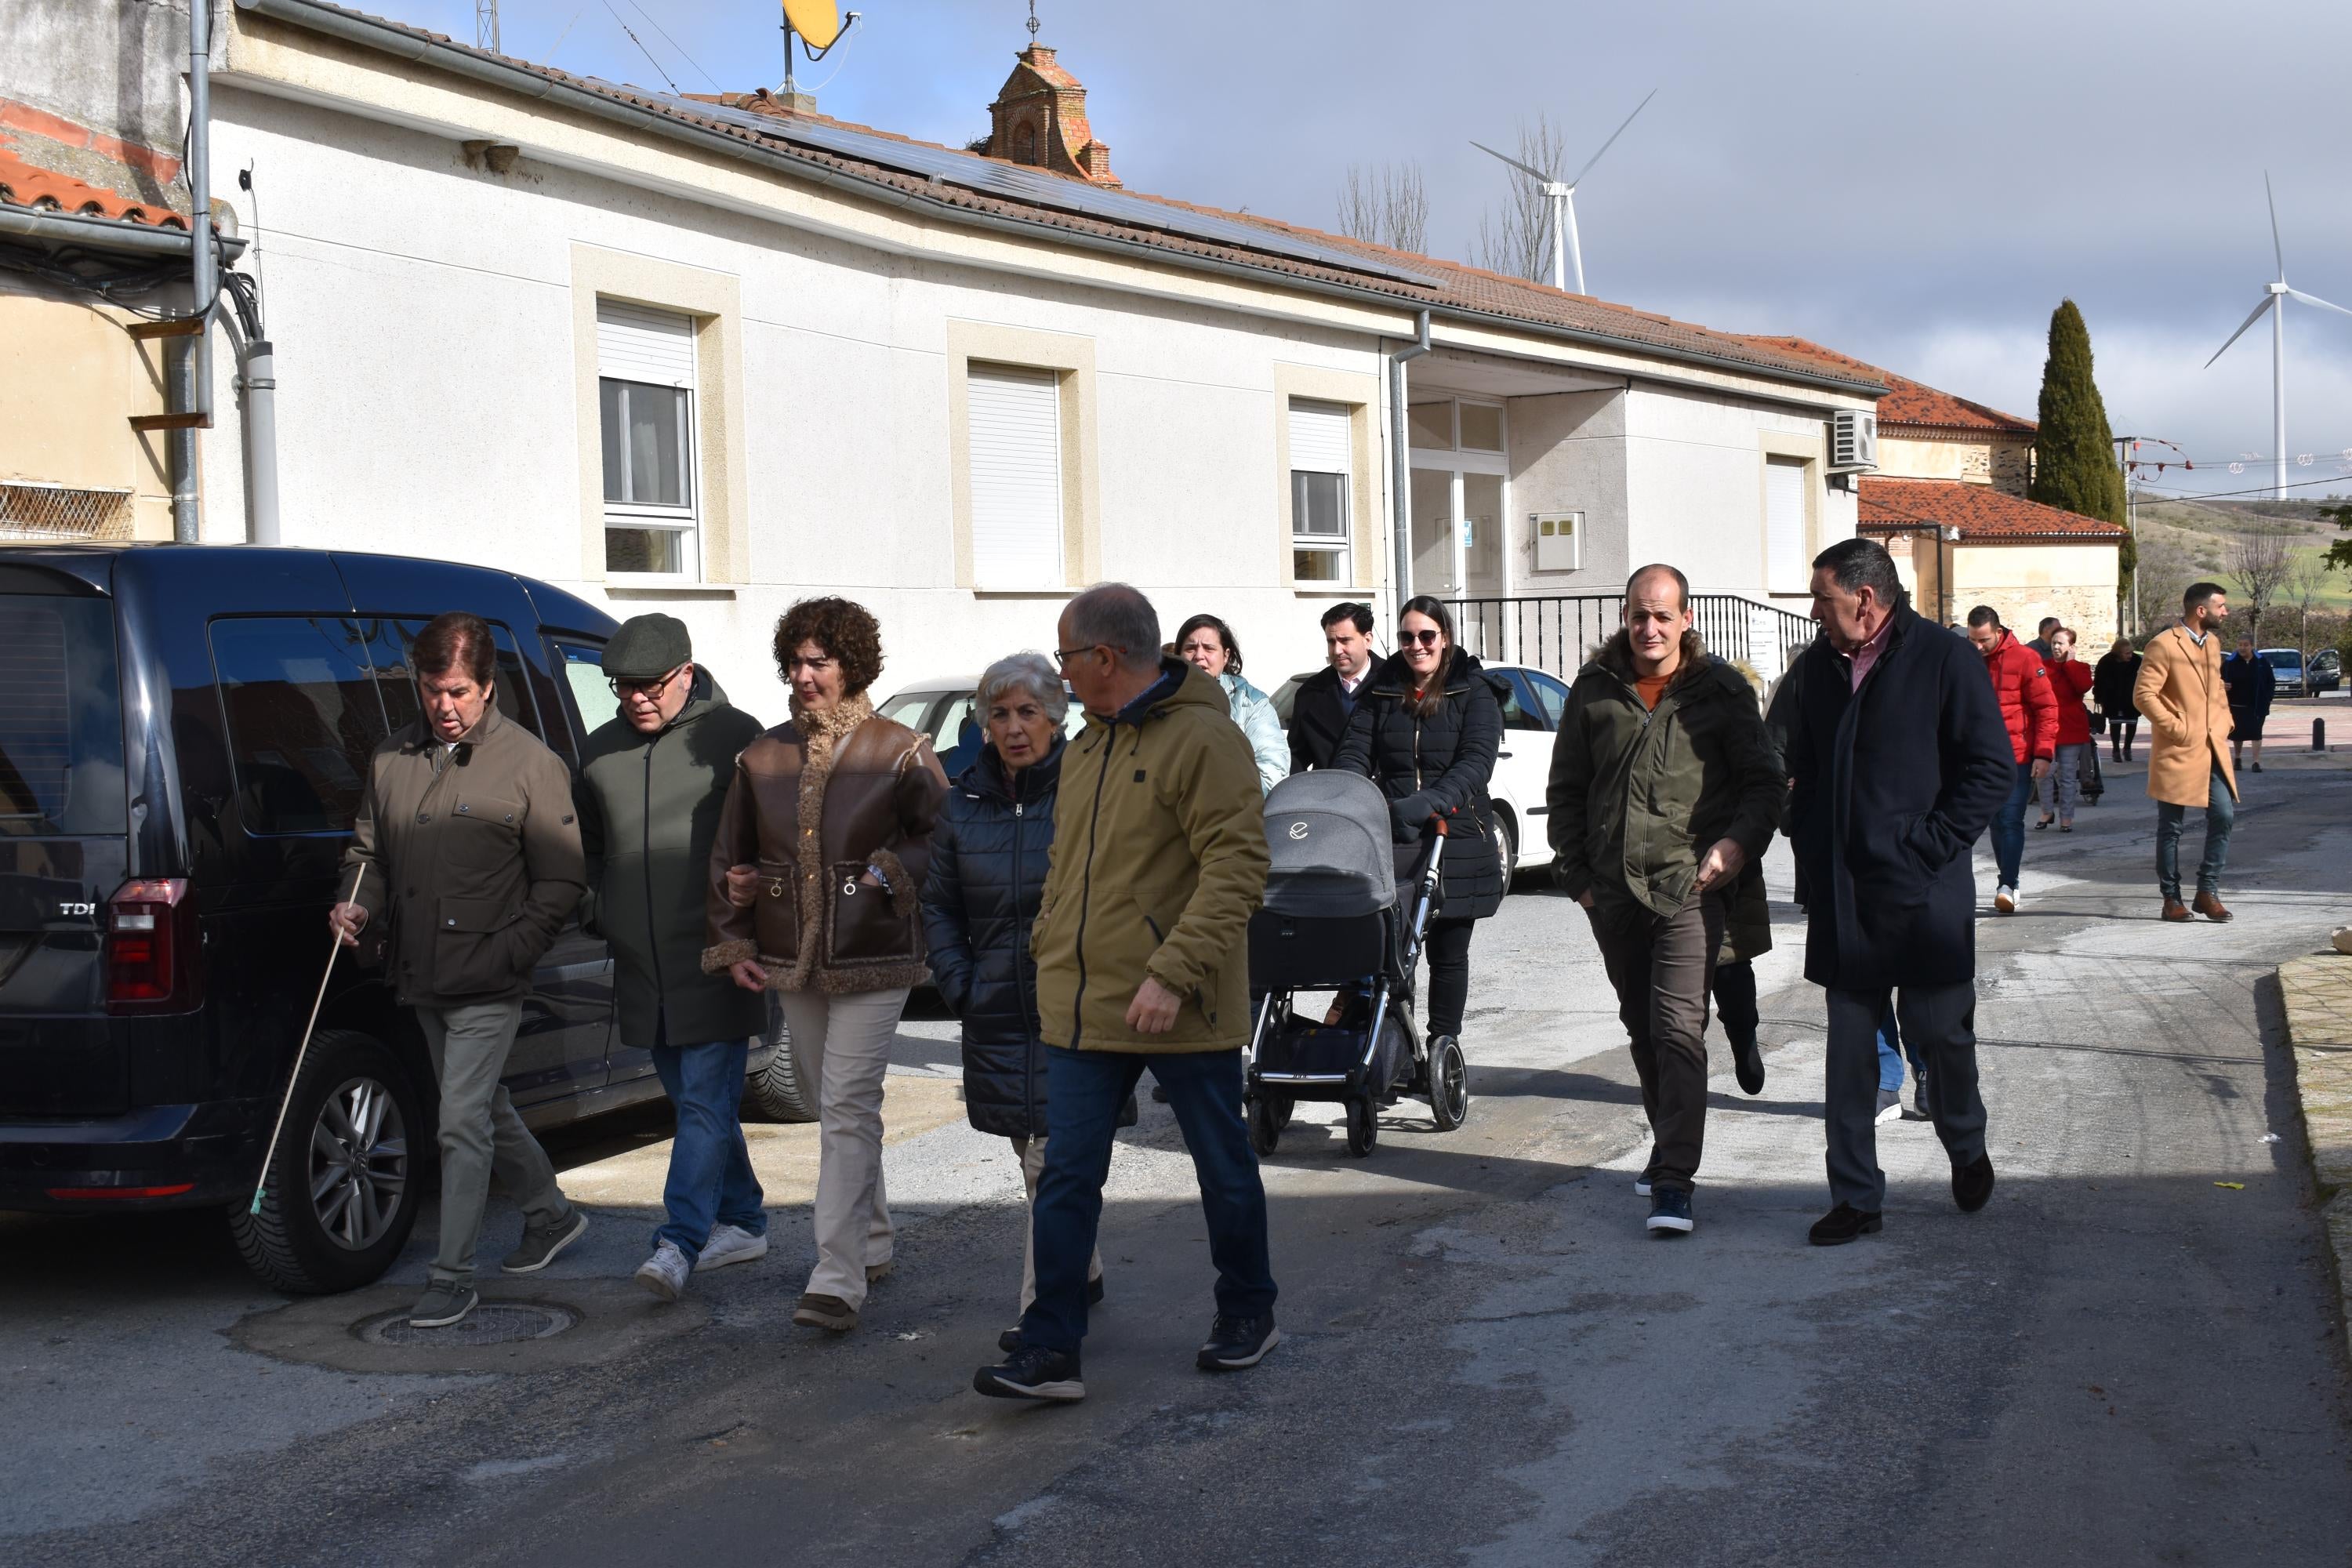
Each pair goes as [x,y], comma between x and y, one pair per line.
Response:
[1015,419]
[1320,442]
[636,343]
[1784,525]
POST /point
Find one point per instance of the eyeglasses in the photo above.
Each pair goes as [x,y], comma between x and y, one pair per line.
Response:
[1062,656]
[625,688]
[1426,639]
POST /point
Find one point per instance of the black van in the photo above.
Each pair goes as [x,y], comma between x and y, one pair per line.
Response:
[184,739]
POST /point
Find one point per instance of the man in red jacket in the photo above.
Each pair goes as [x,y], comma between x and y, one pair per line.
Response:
[2029,709]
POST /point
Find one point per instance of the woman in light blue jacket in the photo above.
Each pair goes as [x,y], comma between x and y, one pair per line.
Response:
[1208,641]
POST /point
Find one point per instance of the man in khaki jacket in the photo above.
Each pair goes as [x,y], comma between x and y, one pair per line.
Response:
[1142,953]
[468,834]
[2180,694]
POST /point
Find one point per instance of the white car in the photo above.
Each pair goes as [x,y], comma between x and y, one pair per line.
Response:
[1522,766]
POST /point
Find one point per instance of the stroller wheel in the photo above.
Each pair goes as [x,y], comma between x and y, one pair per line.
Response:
[1449,1083]
[1283,1106]
[1363,1129]
[1264,1127]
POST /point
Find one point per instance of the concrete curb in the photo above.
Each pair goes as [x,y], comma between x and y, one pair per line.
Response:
[2318,995]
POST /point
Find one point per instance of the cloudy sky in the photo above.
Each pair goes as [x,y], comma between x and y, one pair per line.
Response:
[1915,185]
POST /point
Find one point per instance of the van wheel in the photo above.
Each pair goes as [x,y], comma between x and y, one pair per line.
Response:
[340,1195]
[1507,850]
[781,1092]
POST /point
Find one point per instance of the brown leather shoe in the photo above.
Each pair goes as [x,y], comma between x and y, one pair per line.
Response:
[2209,906]
[2174,910]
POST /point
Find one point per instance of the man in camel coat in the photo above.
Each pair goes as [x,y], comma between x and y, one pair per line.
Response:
[2179,693]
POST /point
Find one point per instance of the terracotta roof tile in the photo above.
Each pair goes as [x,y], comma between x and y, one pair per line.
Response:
[1978,511]
[1909,402]
[36,146]
[1455,285]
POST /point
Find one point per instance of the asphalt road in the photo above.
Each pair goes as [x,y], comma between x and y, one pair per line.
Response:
[2120,1360]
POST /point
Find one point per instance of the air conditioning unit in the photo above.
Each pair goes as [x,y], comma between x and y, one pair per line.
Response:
[1854,440]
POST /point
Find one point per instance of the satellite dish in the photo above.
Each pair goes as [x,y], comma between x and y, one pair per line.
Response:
[818,21]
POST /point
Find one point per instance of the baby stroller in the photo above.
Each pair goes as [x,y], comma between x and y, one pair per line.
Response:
[1333,920]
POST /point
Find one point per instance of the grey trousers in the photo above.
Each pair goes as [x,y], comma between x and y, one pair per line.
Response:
[843,1044]
[1939,1024]
[1660,966]
[480,1131]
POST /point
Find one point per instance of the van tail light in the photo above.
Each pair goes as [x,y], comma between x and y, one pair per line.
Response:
[151,947]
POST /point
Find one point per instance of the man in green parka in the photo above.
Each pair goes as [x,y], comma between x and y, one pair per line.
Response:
[1663,789]
[651,785]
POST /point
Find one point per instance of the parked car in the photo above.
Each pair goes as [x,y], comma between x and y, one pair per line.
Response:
[1522,766]
[2286,664]
[2326,673]
[185,736]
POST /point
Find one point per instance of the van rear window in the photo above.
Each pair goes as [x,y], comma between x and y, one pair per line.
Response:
[60,717]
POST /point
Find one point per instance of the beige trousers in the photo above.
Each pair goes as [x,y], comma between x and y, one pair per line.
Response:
[844,1047]
[1031,1151]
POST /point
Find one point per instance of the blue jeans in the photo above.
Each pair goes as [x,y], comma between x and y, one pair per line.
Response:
[1891,1048]
[2220,815]
[2009,828]
[1083,1092]
[710,1179]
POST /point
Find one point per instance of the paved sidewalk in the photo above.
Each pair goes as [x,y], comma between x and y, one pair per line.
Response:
[2318,992]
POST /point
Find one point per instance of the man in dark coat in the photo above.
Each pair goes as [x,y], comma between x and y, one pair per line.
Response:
[1898,758]
[1326,700]
[652,781]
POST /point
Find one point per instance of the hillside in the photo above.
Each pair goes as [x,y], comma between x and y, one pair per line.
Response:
[2183,540]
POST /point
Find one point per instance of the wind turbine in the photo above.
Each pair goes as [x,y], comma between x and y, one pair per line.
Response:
[2276,296]
[1564,248]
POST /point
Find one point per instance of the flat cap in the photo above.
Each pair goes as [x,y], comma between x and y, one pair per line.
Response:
[646,647]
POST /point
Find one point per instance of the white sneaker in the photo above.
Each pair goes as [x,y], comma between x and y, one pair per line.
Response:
[2004,898]
[730,1244]
[664,1272]
[1890,1106]
[1641,1187]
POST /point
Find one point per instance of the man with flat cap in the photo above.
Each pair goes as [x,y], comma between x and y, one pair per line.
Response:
[651,784]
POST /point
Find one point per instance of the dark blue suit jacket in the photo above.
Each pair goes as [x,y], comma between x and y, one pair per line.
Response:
[1891,785]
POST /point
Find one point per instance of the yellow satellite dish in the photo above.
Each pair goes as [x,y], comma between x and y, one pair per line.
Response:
[818,21]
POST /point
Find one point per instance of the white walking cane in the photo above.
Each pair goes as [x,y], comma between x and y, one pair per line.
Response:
[308,1029]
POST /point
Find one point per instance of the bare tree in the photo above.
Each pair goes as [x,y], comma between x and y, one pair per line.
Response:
[1386,204]
[1516,236]
[2259,559]
[2306,575]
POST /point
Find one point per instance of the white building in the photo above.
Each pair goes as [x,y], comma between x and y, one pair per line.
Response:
[712,357]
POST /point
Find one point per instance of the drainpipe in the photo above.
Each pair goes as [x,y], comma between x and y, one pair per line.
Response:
[197,354]
[259,383]
[1400,454]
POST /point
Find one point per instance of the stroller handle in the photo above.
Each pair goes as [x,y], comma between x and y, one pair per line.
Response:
[1437,820]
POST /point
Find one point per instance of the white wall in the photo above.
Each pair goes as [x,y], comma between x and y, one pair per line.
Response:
[1695,482]
[423,318]
[1567,454]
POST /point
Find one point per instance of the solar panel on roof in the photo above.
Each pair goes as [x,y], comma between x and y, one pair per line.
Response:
[1035,188]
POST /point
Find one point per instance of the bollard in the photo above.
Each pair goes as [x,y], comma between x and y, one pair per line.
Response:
[2319,734]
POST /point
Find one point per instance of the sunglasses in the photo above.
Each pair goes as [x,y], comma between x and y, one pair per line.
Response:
[1426,639]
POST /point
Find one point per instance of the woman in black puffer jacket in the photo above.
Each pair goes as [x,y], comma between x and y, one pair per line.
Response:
[980,898]
[1427,730]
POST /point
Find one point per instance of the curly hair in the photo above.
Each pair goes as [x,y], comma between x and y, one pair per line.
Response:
[845,629]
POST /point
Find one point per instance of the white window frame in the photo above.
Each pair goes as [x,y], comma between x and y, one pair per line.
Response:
[1316,456]
[626,369]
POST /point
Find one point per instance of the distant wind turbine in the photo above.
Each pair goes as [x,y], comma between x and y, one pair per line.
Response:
[2276,296]
[1565,250]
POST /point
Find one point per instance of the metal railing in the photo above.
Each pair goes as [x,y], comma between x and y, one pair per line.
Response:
[1559,632]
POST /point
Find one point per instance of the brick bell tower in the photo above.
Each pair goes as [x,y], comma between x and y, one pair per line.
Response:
[1039,119]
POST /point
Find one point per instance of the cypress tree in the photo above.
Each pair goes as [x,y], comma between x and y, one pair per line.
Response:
[2074,450]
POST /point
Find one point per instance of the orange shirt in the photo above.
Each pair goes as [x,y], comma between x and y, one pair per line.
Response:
[1652,688]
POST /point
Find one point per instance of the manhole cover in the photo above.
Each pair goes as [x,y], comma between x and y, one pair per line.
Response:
[491,1324]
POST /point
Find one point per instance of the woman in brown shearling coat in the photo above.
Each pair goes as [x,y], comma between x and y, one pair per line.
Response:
[820,853]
